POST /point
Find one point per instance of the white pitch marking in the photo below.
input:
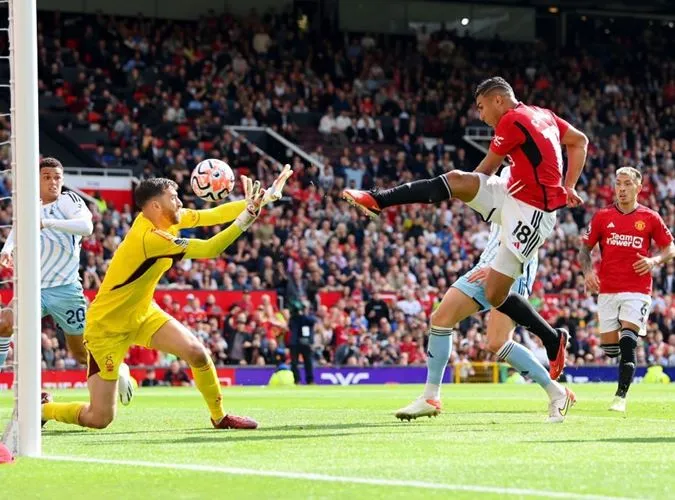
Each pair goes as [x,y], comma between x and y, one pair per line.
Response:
[308,476]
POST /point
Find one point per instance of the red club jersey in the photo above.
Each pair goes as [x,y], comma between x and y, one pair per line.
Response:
[531,136]
[621,238]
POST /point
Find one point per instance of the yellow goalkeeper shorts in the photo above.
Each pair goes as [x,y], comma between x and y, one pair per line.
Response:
[107,348]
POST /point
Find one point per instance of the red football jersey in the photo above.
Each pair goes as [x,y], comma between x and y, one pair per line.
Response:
[621,237]
[531,136]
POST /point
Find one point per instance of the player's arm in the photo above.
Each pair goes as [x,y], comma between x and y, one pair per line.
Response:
[230,211]
[159,243]
[222,214]
[588,242]
[664,240]
[507,137]
[490,164]
[78,217]
[576,144]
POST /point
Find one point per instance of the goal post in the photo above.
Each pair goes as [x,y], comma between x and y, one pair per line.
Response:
[26,209]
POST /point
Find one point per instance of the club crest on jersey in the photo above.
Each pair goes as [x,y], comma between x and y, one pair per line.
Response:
[625,240]
[640,225]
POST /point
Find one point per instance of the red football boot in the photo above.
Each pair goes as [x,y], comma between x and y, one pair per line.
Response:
[557,365]
[234,422]
[362,200]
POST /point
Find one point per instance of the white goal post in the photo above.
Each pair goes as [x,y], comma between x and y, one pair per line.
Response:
[26,209]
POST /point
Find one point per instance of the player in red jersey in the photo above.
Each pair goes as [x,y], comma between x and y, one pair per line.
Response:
[524,205]
[624,233]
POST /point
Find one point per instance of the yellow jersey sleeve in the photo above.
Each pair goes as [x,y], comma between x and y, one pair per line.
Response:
[158,243]
[221,214]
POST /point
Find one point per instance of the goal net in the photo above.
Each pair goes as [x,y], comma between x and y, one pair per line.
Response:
[20,156]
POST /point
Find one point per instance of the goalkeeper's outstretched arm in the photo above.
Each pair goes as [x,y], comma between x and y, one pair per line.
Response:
[214,246]
[222,214]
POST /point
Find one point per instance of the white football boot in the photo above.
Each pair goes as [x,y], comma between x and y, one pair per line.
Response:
[560,405]
[618,404]
[421,407]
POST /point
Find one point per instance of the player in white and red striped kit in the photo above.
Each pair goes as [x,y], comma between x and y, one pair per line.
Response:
[624,233]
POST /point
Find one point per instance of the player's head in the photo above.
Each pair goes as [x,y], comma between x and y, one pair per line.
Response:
[158,199]
[51,179]
[627,185]
[494,97]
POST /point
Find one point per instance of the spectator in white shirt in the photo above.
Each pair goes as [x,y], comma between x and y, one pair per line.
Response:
[328,126]
[345,127]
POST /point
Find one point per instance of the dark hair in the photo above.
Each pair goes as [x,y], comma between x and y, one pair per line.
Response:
[494,83]
[50,163]
[150,188]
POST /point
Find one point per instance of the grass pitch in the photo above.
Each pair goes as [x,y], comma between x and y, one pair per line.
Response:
[343,442]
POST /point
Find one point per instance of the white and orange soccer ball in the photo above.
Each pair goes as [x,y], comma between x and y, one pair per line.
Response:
[212,180]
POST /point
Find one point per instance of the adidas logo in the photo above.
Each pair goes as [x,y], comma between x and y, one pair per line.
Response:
[610,225]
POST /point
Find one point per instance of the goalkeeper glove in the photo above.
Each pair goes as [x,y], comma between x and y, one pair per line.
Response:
[254,202]
[275,191]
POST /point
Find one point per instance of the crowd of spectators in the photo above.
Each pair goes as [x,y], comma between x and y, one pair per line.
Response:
[165,92]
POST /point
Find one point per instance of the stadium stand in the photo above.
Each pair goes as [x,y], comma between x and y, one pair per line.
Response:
[158,96]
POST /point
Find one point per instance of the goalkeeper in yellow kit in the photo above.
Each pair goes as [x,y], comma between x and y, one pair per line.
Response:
[124,313]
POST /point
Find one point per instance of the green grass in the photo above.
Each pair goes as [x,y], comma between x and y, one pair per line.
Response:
[488,436]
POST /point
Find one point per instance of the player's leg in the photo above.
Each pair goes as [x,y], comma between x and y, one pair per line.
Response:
[6,329]
[102,384]
[455,184]
[610,327]
[455,306]
[295,361]
[500,341]
[174,338]
[504,270]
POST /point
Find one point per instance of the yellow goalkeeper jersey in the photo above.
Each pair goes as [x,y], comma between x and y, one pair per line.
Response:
[145,254]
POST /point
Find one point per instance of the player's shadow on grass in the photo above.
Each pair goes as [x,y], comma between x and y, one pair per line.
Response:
[636,440]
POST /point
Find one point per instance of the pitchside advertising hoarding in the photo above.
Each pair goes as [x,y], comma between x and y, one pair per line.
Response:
[260,376]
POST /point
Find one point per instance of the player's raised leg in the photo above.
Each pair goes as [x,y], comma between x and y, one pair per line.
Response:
[174,338]
[454,307]
[500,341]
[455,184]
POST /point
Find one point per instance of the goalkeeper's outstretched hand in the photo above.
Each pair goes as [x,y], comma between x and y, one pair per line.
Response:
[254,203]
[275,191]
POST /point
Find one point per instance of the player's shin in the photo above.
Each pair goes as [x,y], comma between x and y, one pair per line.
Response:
[424,191]
[524,361]
[4,350]
[438,352]
[628,346]
[521,311]
[68,413]
[206,380]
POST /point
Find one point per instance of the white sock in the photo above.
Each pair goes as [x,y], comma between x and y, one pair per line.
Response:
[554,390]
[432,391]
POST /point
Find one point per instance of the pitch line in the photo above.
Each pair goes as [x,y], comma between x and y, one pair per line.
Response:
[309,476]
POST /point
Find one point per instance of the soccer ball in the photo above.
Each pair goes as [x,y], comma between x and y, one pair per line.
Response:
[212,180]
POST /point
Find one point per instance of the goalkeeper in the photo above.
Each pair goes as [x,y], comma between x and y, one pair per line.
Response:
[124,313]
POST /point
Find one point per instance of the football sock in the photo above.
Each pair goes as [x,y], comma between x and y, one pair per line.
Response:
[4,349]
[522,359]
[438,352]
[206,380]
[68,413]
[611,350]
[425,191]
[628,346]
[521,311]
